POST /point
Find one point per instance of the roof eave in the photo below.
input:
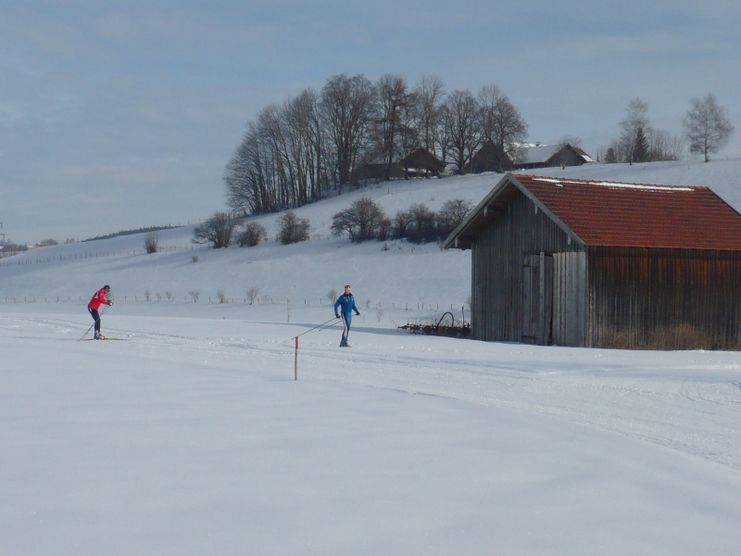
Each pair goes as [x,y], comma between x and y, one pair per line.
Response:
[568,231]
[456,239]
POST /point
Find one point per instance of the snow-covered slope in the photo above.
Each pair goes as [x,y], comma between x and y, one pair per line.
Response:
[190,435]
[389,274]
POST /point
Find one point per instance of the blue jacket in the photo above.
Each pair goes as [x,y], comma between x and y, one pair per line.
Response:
[346,302]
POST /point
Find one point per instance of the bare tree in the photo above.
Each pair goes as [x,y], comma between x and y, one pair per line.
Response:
[250,174]
[252,294]
[151,242]
[393,100]
[429,94]
[460,119]
[252,235]
[636,118]
[306,145]
[664,146]
[345,107]
[500,122]
[611,155]
[221,295]
[572,140]
[361,221]
[707,126]
[292,228]
[218,230]
[450,215]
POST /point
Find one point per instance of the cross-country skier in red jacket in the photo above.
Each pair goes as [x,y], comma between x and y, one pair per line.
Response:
[99,298]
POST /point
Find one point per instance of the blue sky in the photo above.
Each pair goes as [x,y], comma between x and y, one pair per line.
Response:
[119,115]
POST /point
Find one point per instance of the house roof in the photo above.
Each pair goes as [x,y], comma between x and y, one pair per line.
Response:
[541,154]
[582,153]
[612,214]
[423,159]
[489,157]
[537,155]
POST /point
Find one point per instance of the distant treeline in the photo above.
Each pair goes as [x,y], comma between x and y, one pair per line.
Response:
[132,232]
[315,144]
[312,145]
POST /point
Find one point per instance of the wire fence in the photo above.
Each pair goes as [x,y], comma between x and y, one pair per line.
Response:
[31,259]
[195,297]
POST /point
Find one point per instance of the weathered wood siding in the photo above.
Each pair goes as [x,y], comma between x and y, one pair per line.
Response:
[500,298]
[664,298]
[570,299]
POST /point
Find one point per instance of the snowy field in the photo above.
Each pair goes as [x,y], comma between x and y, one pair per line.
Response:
[189,436]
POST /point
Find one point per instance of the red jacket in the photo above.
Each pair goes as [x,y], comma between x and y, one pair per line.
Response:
[98,299]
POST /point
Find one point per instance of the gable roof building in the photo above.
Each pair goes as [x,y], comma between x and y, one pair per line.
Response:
[489,158]
[545,156]
[597,263]
[419,162]
[422,162]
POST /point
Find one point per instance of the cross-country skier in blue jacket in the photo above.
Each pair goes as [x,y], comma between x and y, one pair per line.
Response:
[345,305]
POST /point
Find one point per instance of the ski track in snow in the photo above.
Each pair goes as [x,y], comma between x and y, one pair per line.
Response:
[687,408]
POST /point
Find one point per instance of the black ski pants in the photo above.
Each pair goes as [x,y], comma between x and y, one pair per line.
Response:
[96,317]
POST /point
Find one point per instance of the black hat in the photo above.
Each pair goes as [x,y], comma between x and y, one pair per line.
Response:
[106,287]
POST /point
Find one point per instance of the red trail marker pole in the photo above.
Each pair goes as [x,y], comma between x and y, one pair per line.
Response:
[295,360]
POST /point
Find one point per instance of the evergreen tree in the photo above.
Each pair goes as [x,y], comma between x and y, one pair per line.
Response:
[640,146]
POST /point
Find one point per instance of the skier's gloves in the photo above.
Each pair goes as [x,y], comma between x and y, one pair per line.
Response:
[110,303]
[357,313]
[336,316]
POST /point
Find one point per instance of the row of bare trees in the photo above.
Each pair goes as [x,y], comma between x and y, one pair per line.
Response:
[707,129]
[296,152]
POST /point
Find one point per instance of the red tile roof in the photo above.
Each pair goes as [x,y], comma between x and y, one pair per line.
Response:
[638,215]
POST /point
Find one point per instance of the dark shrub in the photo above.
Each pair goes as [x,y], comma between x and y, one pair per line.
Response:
[400,225]
[293,229]
[362,221]
[218,230]
[152,243]
[252,235]
[422,226]
[450,215]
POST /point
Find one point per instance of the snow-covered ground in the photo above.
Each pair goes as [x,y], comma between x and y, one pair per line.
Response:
[190,435]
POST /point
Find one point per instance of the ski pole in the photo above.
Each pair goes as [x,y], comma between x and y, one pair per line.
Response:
[324,324]
[103,310]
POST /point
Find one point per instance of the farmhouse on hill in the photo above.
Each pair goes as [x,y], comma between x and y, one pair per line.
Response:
[422,162]
[418,163]
[489,158]
[548,156]
[603,264]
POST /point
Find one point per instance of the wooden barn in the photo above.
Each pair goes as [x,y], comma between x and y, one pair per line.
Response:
[419,162]
[603,264]
[489,158]
[549,156]
[422,162]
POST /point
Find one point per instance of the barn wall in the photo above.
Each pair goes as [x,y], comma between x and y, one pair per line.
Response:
[679,299]
[570,299]
[498,297]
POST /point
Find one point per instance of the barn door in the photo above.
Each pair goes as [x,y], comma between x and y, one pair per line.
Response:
[537,298]
[570,309]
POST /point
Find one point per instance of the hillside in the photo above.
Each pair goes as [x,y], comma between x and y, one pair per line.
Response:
[386,274]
